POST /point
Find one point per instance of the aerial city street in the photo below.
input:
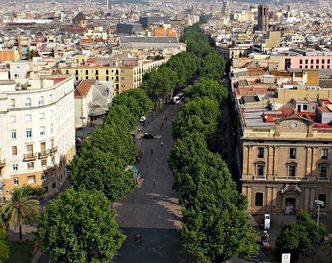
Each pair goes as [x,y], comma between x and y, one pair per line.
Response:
[143,131]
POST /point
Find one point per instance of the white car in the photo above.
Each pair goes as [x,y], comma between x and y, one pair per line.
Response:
[142,119]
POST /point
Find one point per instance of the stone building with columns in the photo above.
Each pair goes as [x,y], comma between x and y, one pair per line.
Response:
[286,157]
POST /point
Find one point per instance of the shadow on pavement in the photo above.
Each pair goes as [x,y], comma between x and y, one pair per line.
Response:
[157,245]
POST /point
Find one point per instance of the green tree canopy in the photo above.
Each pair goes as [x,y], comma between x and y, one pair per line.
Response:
[79,226]
[4,247]
[213,65]
[206,109]
[160,83]
[207,87]
[96,169]
[300,235]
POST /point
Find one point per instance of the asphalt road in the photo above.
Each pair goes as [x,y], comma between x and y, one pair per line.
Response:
[152,210]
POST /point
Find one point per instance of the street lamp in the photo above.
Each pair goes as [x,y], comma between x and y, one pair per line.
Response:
[318,203]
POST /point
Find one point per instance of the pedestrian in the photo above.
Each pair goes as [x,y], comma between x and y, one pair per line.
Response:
[154,182]
[161,144]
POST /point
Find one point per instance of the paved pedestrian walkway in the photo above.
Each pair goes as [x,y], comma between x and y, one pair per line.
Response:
[152,210]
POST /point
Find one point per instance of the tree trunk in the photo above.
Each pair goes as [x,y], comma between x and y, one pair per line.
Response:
[20,230]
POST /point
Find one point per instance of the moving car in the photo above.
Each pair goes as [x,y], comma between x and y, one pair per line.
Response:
[142,119]
[147,136]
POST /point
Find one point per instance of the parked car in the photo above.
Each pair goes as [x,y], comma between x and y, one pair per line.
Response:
[142,119]
[147,136]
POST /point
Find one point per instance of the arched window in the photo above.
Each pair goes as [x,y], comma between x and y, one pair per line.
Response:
[41,100]
[12,103]
[27,102]
[259,199]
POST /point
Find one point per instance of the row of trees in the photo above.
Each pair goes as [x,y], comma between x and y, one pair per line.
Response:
[79,226]
[215,224]
[161,83]
[101,161]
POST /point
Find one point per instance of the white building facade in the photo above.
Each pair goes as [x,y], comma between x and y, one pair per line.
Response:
[37,132]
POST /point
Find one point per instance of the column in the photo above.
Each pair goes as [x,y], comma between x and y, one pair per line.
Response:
[276,160]
[307,199]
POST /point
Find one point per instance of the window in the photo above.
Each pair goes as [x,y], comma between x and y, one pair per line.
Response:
[28,117]
[30,149]
[292,153]
[13,134]
[86,72]
[317,66]
[15,167]
[260,152]
[16,181]
[259,199]
[323,168]
[306,61]
[312,61]
[30,165]
[42,131]
[317,61]
[292,170]
[300,66]
[43,162]
[42,116]
[44,177]
[12,103]
[323,61]
[27,102]
[305,107]
[322,197]
[41,100]
[12,119]
[325,153]
[53,185]
[28,133]
[260,169]
[328,61]
[14,150]
[31,179]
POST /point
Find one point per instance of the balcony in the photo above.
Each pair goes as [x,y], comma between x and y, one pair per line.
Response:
[323,179]
[29,157]
[53,150]
[2,163]
[292,178]
[43,155]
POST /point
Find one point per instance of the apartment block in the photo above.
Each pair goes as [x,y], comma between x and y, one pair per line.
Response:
[125,74]
[37,135]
